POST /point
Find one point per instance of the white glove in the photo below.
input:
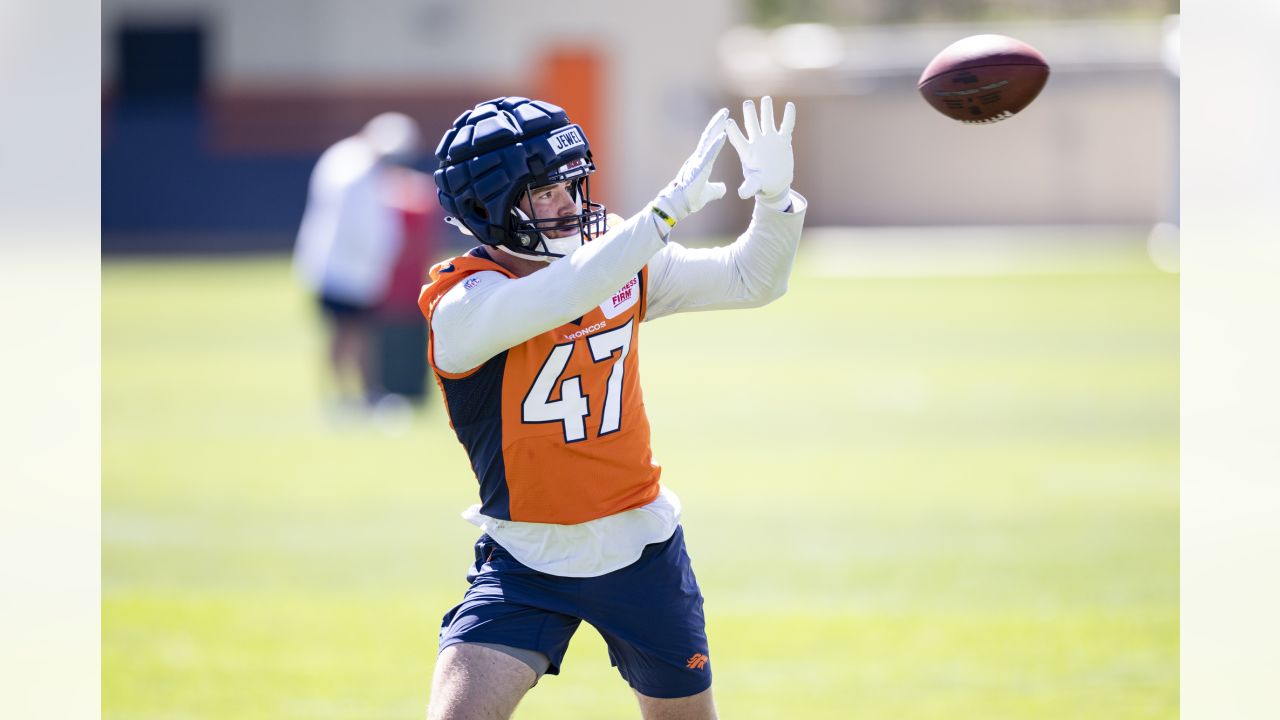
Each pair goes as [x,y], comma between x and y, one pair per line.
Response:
[768,164]
[690,191]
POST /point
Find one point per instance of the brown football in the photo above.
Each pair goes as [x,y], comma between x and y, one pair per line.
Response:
[984,78]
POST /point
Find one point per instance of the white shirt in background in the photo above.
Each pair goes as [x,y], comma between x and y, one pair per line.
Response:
[350,234]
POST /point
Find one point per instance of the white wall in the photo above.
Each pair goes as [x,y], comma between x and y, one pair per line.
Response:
[662,68]
[1098,146]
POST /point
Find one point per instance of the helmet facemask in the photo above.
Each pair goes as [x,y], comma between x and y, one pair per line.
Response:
[548,238]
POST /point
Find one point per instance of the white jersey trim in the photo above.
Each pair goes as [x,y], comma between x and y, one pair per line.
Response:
[588,549]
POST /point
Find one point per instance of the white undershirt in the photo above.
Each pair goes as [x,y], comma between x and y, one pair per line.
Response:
[472,324]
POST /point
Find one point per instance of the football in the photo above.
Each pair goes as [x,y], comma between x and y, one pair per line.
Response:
[984,79]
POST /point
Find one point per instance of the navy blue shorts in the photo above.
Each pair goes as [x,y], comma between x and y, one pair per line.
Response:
[649,614]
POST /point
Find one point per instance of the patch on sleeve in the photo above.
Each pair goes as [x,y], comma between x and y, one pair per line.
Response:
[621,300]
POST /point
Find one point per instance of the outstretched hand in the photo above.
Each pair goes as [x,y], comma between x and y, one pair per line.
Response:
[767,161]
[691,189]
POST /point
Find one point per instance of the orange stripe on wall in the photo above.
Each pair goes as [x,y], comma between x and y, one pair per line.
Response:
[574,79]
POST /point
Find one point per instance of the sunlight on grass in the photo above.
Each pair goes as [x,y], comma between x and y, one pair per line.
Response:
[904,498]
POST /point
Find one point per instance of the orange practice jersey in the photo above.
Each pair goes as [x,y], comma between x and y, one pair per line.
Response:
[555,427]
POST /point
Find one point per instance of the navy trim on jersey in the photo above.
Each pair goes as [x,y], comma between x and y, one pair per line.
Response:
[475,410]
[644,295]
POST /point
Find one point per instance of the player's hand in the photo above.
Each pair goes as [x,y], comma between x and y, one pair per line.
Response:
[767,161]
[691,189]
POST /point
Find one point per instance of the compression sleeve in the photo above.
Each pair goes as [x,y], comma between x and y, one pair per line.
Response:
[750,272]
[472,324]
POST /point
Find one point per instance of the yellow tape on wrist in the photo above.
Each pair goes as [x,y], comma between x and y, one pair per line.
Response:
[670,221]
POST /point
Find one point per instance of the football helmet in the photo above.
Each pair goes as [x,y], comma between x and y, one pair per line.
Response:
[500,151]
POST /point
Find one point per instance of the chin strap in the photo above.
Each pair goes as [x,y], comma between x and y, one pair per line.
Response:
[547,243]
[451,220]
[522,256]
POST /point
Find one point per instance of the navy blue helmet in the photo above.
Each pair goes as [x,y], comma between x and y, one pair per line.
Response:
[501,150]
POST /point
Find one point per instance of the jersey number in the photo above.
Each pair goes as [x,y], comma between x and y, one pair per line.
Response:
[572,408]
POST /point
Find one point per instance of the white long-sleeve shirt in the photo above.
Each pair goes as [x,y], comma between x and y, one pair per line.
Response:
[476,320]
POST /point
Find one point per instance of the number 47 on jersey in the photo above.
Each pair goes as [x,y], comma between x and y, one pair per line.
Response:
[572,409]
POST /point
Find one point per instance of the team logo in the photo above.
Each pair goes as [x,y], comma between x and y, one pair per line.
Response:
[621,300]
[566,139]
[697,662]
[584,331]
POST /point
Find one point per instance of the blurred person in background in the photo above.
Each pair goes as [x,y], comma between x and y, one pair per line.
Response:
[351,238]
[402,336]
[534,340]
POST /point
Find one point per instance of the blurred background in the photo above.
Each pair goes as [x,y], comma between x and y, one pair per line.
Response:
[937,479]
[214,113]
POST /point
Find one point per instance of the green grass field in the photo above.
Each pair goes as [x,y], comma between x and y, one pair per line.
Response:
[904,498]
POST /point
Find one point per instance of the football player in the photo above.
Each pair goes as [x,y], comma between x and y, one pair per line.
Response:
[534,342]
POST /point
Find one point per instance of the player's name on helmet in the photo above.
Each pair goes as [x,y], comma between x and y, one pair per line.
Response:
[566,139]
